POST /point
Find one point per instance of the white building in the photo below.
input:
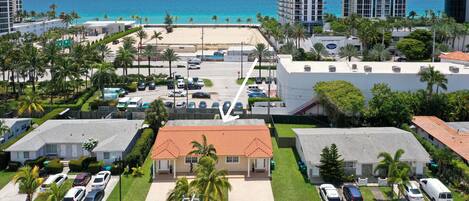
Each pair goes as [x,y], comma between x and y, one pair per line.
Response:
[333,43]
[375,8]
[308,12]
[296,79]
[38,27]
[233,54]
[107,27]
[16,126]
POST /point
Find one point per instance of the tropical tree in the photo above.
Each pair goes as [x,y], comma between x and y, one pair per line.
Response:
[203,149]
[170,56]
[103,50]
[168,21]
[56,192]
[249,20]
[190,20]
[331,168]
[105,74]
[141,35]
[215,18]
[348,51]
[157,36]
[28,180]
[149,52]
[261,51]
[33,63]
[320,50]
[183,189]
[3,128]
[211,183]
[156,114]
[396,170]
[227,20]
[30,103]
[433,77]
[377,53]
[124,59]
[412,49]
[299,33]
[239,20]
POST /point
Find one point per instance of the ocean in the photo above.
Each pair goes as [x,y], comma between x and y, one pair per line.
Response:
[200,10]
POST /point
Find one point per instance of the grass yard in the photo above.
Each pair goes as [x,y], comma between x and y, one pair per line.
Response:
[285,130]
[250,81]
[134,188]
[5,177]
[387,192]
[367,194]
[287,181]
[208,83]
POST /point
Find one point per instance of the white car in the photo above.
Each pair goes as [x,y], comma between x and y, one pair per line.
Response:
[181,105]
[181,83]
[412,192]
[329,192]
[58,179]
[177,93]
[193,66]
[76,193]
[100,180]
[200,83]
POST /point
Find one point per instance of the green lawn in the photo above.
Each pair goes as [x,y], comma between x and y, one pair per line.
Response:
[387,192]
[250,81]
[367,194]
[5,177]
[86,106]
[288,183]
[285,130]
[44,196]
[134,188]
[208,83]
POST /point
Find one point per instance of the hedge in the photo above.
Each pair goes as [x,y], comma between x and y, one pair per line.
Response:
[13,166]
[77,105]
[137,155]
[251,101]
[86,106]
[54,167]
[132,87]
[95,167]
[116,36]
[81,164]
[272,67]
[4,158]
[36,162]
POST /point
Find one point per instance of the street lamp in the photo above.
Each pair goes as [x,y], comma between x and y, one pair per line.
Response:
[174,89]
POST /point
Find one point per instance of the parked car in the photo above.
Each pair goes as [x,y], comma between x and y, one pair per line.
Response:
[329,192]
[435,190]
[258,80]
[256,90]
[82,179]
[146,105]
[151,86]
[115,42]
[94,195]
[170,83]
[200,94]
[100,180]
[181,105]
[196,61]
[122,103]
[200,83]
[58,179]
[168,104]
[191,105]
[268,80]
[412,191]
[352,193]
[203,105]
[141,86]
[257,95]
[193,66]
[226,106]
[76,193]
[177,93]
[180,83]
[238,108]
[215,105]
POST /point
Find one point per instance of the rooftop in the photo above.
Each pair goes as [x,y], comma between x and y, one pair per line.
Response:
[11,121]
[249,138]
[39,22]
[359,67]
[362,145]
[112,134]
[458,55]
[455,135]
[108,22]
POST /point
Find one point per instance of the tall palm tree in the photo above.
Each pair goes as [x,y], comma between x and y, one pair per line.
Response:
[56,192]
[390,163]
[227,20]
[141,35]
[212,183]
[30,103]
[348,51]
[401,178]
[157,114]
[215,18]
[249,20]
[170,56]
[157,36]
[239,20]
[320,50]
[124,59]
[433,77]
[33,62]
[149,52]
[203,149]
[191,20]
[261,51]
[183,189]
[299,33]
[28,179]
[103,50]
[105,74]
[52,13]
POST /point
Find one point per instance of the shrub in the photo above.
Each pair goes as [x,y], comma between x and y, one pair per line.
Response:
[13,166]
[87,160]
[98,102]
[4,158]
[116,169]
[54,167]
[79,102]
[141,148]
[95,167]
[36,162]
[132,87]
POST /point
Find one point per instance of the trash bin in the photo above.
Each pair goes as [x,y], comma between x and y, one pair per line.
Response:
[272,165]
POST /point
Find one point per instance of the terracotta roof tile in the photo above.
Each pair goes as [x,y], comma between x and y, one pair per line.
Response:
[250,141]
[458,55]
[454,140]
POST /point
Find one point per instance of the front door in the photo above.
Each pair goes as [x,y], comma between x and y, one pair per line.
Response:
[163,165]
[63,150]
[260,165]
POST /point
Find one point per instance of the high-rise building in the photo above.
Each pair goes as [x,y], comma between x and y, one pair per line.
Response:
[457,9]
[17,7]
[375,8]
[307,12]
[6,16]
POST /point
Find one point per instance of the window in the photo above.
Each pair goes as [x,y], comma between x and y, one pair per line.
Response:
[106,155]
[232,159]
[348,164]
[51,149]
[26,154]
[191,159]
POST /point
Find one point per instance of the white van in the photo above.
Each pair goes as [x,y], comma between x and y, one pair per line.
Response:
[435,190]
[135,102]
[122,103]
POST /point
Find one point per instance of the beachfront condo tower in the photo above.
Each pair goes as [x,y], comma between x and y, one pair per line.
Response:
[307,12]
[6,16]
[374,8]
[457,9]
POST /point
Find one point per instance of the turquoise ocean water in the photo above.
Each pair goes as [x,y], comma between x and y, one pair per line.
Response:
[200,10]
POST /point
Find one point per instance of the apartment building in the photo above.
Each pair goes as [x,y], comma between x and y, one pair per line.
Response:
[307,12]
[375,8]
[457,9]
[6,16]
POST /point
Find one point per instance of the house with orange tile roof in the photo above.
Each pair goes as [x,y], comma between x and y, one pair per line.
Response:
[451,135]
[242,146]
[456,57]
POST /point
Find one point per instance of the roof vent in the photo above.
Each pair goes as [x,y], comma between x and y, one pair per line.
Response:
[367,68]
[422,68]
[454,69]
[332,68]
[396,69]
[354,67]
[307,68]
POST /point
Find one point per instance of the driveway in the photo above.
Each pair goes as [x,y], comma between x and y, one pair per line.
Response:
[10,193]
[110,186]
[159,190]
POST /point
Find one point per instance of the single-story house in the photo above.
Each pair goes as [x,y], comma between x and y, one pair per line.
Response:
[16,127]
[456,57]
[242,146]
[64,139]
[451,135]
[359,147]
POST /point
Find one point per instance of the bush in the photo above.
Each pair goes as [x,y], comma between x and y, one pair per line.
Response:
[95,167]
[79,102]
[132,87]
[36,162]
[4,158]
[81,164]
[13,166]
[137,156]
[98,103]
[54,167]
[116,169]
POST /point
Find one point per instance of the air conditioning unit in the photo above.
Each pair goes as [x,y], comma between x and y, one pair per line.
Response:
[422,68]
[368,69]
[454,69]
[354,68]
[396,69]
[332,68]
[307,68]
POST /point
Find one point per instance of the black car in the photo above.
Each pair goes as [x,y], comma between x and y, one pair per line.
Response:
[168,104]
[226,106]
[268,80]
[170,83]
[215,105]
[352,193]
[200,95]
[94,195]
[258,80]
[202,105]
[142,86]
[151,86]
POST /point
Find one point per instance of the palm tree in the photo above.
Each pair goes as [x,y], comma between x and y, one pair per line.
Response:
[103,50]
[105,74]
[52,13]
[249,20]
[433,77]
[191,20]
[56,192]
[170,56]
[28,179]
[203,149]
[157,114]
[149,52]
[348,51]
[212,183]
[3,128]
[124,59]
[260,52]
[393,167]
[320,50]
[215,18]
[401,178]
[412,14]
[141,35]
[183,189]
[157,36]
[30,103]
[299,33]
[379,53]
[227,20]
[239,20]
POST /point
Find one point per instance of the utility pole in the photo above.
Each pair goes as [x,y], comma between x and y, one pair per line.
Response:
[242,60]
[174,90]
[268,88]
[433,45]
[187,87]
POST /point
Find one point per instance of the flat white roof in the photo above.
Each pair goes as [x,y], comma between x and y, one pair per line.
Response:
[376,67]
[24,24]
[105,23]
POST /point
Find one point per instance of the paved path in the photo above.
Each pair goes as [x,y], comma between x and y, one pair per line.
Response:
[377,193]
[110,186]
[159,190]
[11,193]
